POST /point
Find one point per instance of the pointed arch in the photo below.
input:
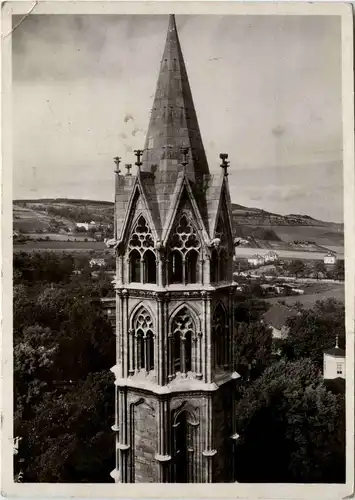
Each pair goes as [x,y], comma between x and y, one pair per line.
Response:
[184,444]
[136,309]
[191,310]
[182,330]
[135,266]
[220,337]
[222,265]
[184,249]
[214,266]
[142,343]
[131,214]
[192,273]
[175,267]
[149,267]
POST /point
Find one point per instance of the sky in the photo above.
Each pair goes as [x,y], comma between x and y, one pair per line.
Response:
[267,91]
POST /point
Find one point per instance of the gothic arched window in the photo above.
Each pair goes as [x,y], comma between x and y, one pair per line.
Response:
[184,249]
[175,267]
[191,266]
[141,257]
[135,266]
[143,346]
[181,338]
[149,267]
[214,266]
[223,263]
[183,448]
[220,338]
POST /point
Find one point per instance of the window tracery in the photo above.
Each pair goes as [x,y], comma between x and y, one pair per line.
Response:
[184,255]
[182,329]
[142,258]
[220,336]
[143,352]
[219,255]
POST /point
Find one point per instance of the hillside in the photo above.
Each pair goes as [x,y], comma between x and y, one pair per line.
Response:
[261,228]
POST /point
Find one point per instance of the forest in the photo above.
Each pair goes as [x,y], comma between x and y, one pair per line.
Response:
[291,426]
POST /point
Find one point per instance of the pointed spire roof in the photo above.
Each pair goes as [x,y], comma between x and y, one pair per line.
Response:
[173,123]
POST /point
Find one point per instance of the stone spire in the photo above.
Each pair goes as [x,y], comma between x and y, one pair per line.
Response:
[173,123]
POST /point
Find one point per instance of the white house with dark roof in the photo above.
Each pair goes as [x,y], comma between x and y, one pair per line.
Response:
[334,362]
[256,260]
[330,258]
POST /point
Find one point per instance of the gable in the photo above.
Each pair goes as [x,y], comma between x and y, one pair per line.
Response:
[223,229]
[136,208]
[185,206]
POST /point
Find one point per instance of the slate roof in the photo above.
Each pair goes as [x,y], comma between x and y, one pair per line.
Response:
[336,352]
[173,122]
[278,314]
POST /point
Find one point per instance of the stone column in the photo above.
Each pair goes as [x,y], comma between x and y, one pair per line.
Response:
[182,356]
[124,333]
[158,347]
[170,356]
[163,455]
[126,278]
[208,452]
[131,352]
[199,363]
[208,340]
[203,338]
[122,445]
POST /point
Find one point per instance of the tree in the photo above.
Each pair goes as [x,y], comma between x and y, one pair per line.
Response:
[252,348]
[315,330]
[319,269]
[249,309]
[291,428]
[339,270]
[70,439]
[34,357]
[296,267]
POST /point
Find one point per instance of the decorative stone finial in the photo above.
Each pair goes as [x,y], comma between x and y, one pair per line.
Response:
[225,163]
[185,153]
[128,168]
[117,160]
[138,153]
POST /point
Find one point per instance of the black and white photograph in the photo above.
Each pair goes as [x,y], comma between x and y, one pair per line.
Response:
[180,252]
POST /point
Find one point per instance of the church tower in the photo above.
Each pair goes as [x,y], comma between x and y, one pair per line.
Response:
[173,240]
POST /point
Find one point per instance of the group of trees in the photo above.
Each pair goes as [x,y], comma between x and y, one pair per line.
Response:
[318,269]
[291,427]
[300,269]
[63,351]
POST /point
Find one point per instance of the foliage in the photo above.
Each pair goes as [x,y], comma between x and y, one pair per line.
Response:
[47,266]
[252,348]
[315,330]
[291,427]
[63,351]
[249,309]
[296,267]
[34,357]
[69,439]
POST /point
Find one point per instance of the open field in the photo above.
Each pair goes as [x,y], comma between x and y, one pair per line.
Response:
[323,236]
[59,237]
[283,254]
[60,246]
[335,291]
[28,219]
